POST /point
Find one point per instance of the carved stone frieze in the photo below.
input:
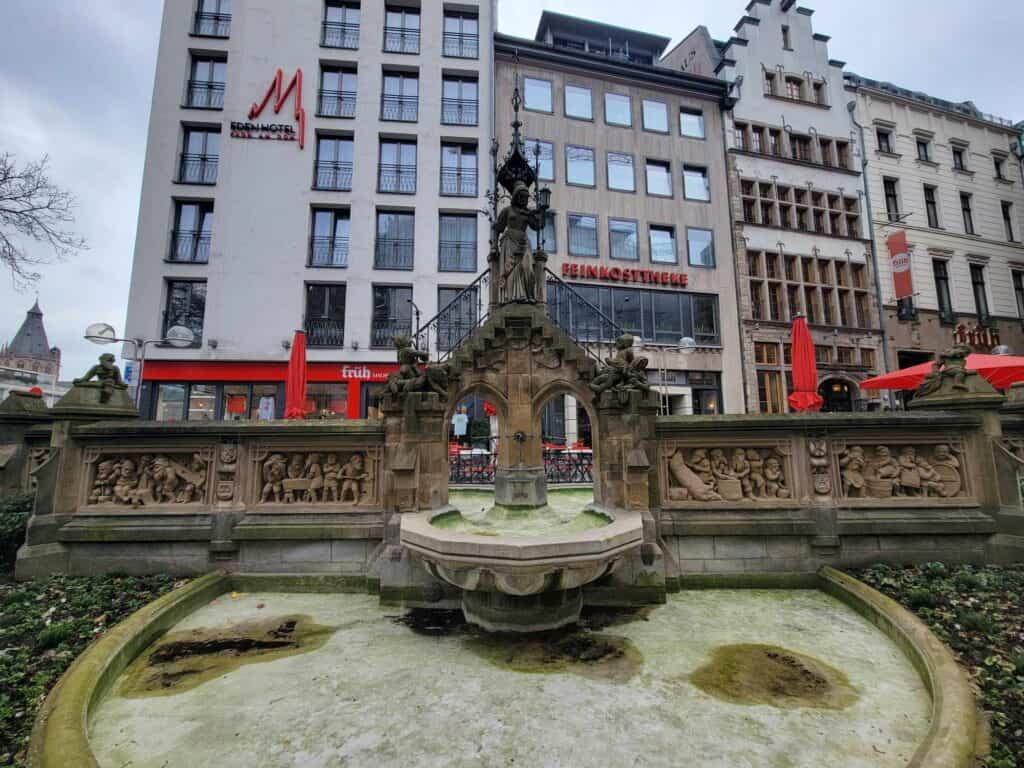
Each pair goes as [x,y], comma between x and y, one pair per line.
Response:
[904,471]
[317,477]
[227,472]
[727,473]
[148,479]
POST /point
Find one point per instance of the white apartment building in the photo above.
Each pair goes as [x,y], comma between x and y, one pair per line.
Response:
[315,165]
[801,238]
[949,177]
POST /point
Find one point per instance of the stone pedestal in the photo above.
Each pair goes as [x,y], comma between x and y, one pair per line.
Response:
[497,612]
[95,401]
[520,487]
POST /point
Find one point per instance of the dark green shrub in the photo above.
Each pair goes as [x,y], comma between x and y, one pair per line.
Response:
[919,597]
[14,512]
[54,635]
[969,580]
[975,621]
[934,570]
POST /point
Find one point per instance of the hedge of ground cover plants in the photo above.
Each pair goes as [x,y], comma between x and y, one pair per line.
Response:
[978,611]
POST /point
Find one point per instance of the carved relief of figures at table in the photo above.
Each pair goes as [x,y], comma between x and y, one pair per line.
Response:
[149,479]
[728,473]
[346,478]
[886,471]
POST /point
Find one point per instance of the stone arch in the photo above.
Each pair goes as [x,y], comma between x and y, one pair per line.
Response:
[850,396]
[584,397]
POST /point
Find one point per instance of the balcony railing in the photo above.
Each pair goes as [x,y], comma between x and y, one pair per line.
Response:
[457,256]
[461,46]
[190,245]
[400,179]
[328,252]
[198,169]
[399,108]
[393,253]
[335,34]
[383,331]
[334,176]
[458,182]
[212,24]
[325,332]
[204,94]
[337,104]
[459,111]
[401,40]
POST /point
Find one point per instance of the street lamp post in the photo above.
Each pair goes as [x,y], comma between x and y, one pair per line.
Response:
[103,333]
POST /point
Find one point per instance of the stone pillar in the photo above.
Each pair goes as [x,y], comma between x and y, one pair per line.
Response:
[572,424]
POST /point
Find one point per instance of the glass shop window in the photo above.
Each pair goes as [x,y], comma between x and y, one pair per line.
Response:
[327,400]
[170,402]
[202,402]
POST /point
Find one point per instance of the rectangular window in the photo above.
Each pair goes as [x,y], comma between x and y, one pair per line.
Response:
[786,43]
[958,159]
[401,30]
[695,183]
[461,35]
[193,229]
[460,101]
[924,150]
[1008,220]
[965,208]
[457,243]
[769,391]
[628,310]
[397,169]
[334,163]
[392,314]
[206,83]
[822,354]
[617,110]
[400,99]
[757,139]
[622,237]
[1018,291]
[458,312]
[213,18]
[867,358]
[691,123]
[340,25]
[200,155]
[170,402]
[700,245]
[537,94]
[582,235]
[769,84]
[980,294]
[544,160]
[325,314]
[931,206]
[338,90]
[667,319]
[739,136]
[579,164]
[942,294]
[794,88]
[202,402]
[459,170]
[766,353]
[892,200]
[655,114]
[663,245]
[578,102]
[659,178]
[620,172]
[544,240]
[395,240]
[999,164]
[328,246]
[327,399]
[186,306]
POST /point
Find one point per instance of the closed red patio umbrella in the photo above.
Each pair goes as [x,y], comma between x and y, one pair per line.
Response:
[1000,370]
[804,396]
[295,384]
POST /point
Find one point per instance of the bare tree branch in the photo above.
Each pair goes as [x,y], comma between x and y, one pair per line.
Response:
[33,208]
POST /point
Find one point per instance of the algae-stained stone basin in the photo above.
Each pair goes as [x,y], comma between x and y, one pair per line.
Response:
[375,691]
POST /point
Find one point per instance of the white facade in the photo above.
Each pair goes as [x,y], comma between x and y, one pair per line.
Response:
[258,255]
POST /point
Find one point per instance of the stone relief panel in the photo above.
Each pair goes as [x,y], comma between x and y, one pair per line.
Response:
[727,473]
[148,479]
[900,471]
[325,477]
[36,458]
[227,472]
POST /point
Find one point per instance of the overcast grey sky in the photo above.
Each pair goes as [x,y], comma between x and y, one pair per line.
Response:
[76,84]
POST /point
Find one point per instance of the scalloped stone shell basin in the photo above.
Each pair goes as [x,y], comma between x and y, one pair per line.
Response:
[475,512]
[377,693]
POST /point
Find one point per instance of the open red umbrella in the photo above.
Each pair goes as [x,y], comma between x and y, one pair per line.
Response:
[804,396]
[295,384]
[1000,370]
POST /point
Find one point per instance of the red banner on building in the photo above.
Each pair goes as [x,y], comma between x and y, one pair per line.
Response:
[902,276]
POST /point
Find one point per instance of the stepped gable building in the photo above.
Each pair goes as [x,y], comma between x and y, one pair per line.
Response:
[311,164]
[29,361]
[947,177]
[639,227]
[801,236]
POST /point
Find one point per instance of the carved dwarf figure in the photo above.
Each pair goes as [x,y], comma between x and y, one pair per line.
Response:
[852,463]
[332,471]
[623,371]
[274,470]
[740,469]
[107,374]
[756,462]
[314,473]
[775,480]
[127,484]
[700,464]
[353,477]
[688,485]
[103,485]
[931,480]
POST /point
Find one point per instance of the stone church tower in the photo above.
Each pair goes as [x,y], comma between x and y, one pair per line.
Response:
[29,349]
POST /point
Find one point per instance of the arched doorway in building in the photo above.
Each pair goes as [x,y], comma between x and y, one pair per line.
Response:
[838,394]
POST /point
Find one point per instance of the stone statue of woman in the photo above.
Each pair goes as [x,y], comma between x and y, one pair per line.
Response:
[517,272]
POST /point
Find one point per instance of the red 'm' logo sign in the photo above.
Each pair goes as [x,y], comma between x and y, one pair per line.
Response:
[280,94]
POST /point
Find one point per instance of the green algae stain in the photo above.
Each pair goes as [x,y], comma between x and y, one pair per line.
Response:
[778,677]
[184,660]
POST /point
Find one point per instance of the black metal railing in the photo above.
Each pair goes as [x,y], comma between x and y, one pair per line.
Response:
[471,468]
[334,176]
[204,94]
[335,34]
[460,45]
[459,111]
[458,182]
[567,467]
[325,332]
[477,467]
[457,319]
[336,103]
[401,40]
[400,179]
[579,318]
[403,109]
[212,24]
[393,253]
[328,252]
[197,169]
[190,245]
[457,256]
[382,332]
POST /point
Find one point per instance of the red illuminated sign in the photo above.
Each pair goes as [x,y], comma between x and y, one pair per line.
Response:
[279,93]
[606,274]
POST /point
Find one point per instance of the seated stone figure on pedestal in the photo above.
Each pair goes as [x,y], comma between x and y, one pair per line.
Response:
[950,383]
[623,372]
[409,378]
[107,395]
[107,375]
